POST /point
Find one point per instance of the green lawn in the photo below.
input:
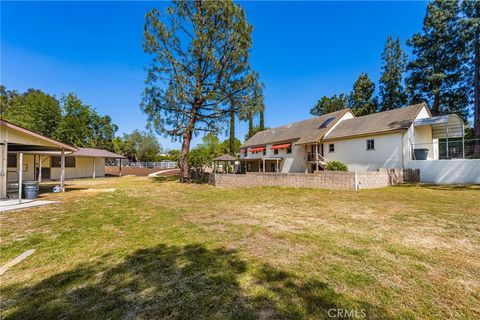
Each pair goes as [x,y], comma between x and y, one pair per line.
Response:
[138,248]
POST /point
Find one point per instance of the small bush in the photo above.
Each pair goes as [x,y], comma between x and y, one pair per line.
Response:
[336,166]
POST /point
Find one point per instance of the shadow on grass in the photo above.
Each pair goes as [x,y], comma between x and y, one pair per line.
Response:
[173,282]
[47,190]
[166,178]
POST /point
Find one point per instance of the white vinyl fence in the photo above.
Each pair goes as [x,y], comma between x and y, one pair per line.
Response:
[150,165]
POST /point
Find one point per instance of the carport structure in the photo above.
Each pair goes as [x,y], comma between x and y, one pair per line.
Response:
[445,127]
[14,138]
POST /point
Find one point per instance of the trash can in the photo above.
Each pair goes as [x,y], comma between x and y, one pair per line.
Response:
[30,189]
[420,154]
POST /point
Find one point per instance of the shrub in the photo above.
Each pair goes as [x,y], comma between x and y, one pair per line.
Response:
[336,166]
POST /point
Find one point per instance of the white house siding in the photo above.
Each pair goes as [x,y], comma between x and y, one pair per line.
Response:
[458,171]
[294,162]
[420,137]
[353,152]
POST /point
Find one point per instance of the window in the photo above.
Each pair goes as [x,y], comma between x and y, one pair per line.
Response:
[326,123]
[12,160]
[370,144]
[69,162]
[275,151]
[264,151]
[289,150]
[331,147]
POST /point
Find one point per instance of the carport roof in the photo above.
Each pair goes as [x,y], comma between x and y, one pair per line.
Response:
[48,143]
[95,153]
[447,126]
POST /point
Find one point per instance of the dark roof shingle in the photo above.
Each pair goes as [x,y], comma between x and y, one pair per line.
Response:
[391,120]
[95,153]
[306,131]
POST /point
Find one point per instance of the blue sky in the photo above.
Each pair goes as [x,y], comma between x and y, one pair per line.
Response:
[302,50]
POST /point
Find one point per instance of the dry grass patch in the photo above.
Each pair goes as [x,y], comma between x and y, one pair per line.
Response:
[134,247]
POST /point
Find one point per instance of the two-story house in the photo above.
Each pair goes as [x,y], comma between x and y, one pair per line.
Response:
[382,140]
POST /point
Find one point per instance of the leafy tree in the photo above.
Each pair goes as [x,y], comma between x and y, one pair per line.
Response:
[75,129]
[203,154]
[200,69]
[34,110]
[361,100]
[471,27]
[330,104]
[174,155]
[437,70]
[199,159]
[119,146]
[138,146]
[226,147]
[82,126]
[392,94]
[211,142]
[103,132]
[6,98]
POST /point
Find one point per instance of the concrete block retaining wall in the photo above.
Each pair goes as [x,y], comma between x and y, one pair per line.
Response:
[322,179]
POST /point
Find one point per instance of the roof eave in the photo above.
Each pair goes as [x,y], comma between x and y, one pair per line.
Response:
[13,126]
[365,134]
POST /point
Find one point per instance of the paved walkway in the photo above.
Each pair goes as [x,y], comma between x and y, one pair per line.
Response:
[12,204]
[161,172]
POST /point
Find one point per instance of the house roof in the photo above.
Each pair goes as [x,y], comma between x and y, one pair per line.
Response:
[95,153]
[225,157]
[392,120]
[306,131]
[38,141]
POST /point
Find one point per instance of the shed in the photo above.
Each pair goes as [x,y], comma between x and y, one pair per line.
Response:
[17,140]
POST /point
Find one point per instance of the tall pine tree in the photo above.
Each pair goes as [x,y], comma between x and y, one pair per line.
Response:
[392,94]
[199,64]
[362,99]
[436,72]
[471,25]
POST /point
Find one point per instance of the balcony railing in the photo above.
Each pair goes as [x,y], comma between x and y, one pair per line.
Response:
[317,157]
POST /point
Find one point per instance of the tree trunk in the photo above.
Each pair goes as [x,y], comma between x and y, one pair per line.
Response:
[262,120]
[187,138]
[436,104]
[250,123]
[232,132]
[476,97]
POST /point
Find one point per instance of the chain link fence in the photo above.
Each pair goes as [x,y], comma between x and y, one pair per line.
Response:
[444,150]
